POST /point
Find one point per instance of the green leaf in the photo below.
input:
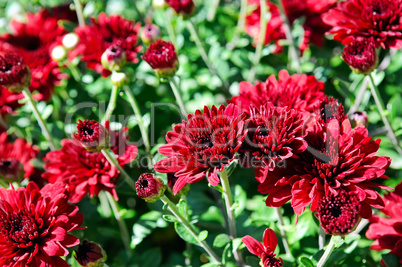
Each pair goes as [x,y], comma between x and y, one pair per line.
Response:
[221,240]
[202,236]
[218,188]
[305,261]
[213,214]
[169,218]
[184,234]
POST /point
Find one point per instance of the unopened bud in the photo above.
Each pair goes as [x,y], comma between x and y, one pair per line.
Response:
[119,79]
[150,33]
[14,73]
[92,135]
[90,254]
[59,53]
[359,117]
[70,40]
[361,56]
[114,58]
[162,57]
[149,187]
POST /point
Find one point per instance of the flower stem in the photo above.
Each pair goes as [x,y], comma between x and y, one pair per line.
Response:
[229,211]
[137,112]
[112,103]
[282,231]
[42,125]
[111,157]
[203,53]
[381,109]
[359,96]
[261,39]
[172,207]
[321,238]
[74,71]
[293,53]
[212,10]
[327,253]
[240,25]
[120,221]
[78,10]
[177,95]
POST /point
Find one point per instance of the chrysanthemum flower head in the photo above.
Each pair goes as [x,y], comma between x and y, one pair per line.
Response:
[35,226]
[184,8]
[162,58]
[379,21]
[14,73]
[203,145]
[92,135]
[361,56]
[149,187]
[265,251]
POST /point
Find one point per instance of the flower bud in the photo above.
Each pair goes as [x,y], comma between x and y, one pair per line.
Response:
[119,79]
[149,187]
[361,56]
[114,58]
[150,33]
[59,53]
[162,57]
[90,254]
[70,40]
[11,170]
[185,8]
[359,117]
[14,73]
[92,135]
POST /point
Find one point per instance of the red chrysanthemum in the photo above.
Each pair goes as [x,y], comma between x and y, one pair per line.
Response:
[387,231]
[83,172]
[35,226]
[149,187]
[337,157]
[92,135]
[339,214]
[182,7]
[9,101]
[15,159]
[380,21]
[300,92]
[104,32]
[274,135]
[162,58]
[34,41]
[265,251]
[361,56]
[14,73]
[203,145]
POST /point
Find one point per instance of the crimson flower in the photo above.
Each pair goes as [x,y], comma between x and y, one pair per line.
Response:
[104,32]
[92,135]
[264,251]
[202,145]
[14,74]
[182,7]
[300,92]
[387,231]
[380,21]
[274,135]
[162,58]
[337,158]
[9,101]
[35,226]
[89,254]
[15,159]
[34,41]
[339,214]
[84,172]
[361,56]
[149,187]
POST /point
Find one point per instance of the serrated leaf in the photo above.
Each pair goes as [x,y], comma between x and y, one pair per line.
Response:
[221,240]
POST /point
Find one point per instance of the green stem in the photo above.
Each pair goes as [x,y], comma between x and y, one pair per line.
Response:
[172,207]
[229,212]
[42,125]
[282,231]
[321,238]
[78,10]
[293,53]
[120,221]
[240,25]
[111,157]
[381,109]
[137,112]
[359,96]
[74,71]
[203,53]
[261,39]
[177,95]
[112,103]
[104,204]
[212,10]
[327,253]
[3,184]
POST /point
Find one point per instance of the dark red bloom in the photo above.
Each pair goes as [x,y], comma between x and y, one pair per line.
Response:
[150,33]
[338,214]
[89,252]
[274,135]
[182,7]
[300,92]
[387,231]
[162,58]
[15,159]
[84,172]
[92,135]
[380,21]
[203,145]
[34,41]
[361,56]
[104,32]
[359,117]
[337,158]
[265,251]
[35,226]
[9,101]
[14,74]
[149,187]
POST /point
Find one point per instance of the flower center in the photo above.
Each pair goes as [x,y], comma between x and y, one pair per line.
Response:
[144,183]
[9,168]
[27,42]
[19,228]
